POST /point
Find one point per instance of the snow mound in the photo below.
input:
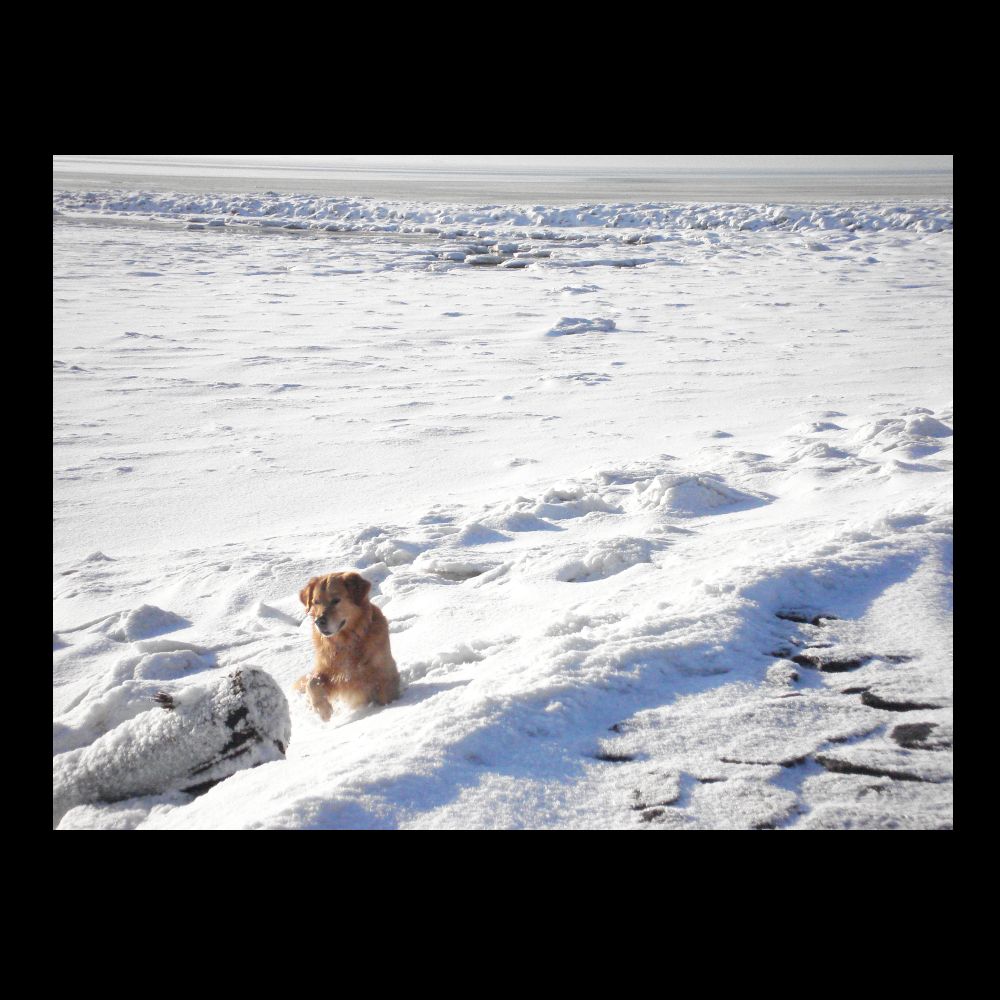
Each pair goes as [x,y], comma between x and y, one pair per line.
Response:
[607,558]
[260,610]
[192,740]
[169,665]
[452,569]
[143,622]
[925,426]
[475,533]
[895,437]
[378,546]
[517,520]
[693,495]
[586,503]
[571,325]
[820,451]
[816,427]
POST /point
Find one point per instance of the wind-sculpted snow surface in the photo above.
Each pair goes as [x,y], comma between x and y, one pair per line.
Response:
[685,567]
[674,678]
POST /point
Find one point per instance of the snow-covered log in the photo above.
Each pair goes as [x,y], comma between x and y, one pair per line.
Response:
[187,742]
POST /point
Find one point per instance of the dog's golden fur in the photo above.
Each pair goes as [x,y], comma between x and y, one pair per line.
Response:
[353,661]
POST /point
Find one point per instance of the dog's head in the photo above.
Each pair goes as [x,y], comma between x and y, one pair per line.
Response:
[335,601]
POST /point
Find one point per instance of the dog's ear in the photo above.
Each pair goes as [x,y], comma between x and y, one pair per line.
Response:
[305,594]
[357,587]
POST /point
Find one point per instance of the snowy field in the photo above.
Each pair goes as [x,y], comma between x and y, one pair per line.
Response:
[656,499]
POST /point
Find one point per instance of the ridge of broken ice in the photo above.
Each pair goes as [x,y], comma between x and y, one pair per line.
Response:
[303,212]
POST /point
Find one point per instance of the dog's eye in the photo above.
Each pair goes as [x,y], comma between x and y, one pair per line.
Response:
[335,600]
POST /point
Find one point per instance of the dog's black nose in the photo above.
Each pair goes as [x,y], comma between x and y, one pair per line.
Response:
[321,621]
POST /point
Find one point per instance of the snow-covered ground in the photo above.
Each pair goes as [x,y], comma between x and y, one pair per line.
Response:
[656,499]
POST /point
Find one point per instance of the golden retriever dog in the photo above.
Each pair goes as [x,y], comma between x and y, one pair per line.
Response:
[353,662]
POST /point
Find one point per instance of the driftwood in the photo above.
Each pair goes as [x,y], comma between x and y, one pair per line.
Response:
[189,741]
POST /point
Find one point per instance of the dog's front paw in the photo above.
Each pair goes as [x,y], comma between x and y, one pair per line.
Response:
[318,697]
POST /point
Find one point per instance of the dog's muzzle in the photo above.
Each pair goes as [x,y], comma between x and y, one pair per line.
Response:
[321,627]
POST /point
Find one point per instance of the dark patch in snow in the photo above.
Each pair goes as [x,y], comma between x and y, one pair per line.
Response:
[786,762]
[846,767]
[640,804]
[804,619]
[830,666]
[914,736]
[793,762]
[874,701]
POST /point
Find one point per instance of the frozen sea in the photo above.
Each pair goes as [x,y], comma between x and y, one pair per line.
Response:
[569,182]
[653,484]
